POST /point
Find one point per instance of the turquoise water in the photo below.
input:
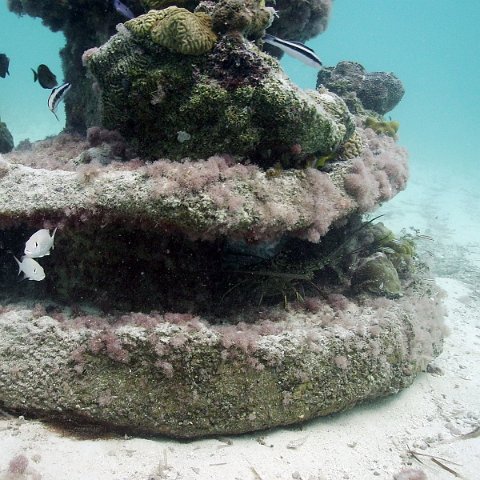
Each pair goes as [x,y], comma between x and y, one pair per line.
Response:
[23,103]
[433,47]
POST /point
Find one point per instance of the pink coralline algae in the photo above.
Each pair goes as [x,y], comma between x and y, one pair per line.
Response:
[379,174]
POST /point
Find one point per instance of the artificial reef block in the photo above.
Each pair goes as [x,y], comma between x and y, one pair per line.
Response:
[177,29]
[206,199]
[233,99]
[180,376]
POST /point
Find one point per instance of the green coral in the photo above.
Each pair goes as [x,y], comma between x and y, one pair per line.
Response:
[335,107]
[230,123]
[382,126]
[177,29]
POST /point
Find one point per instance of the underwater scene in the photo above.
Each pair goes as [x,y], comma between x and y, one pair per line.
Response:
[239,239]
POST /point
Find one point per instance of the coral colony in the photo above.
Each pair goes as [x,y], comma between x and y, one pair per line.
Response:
[217,266]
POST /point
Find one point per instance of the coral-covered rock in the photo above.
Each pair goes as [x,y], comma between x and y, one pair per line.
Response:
[89,23]
[203,199]
[298,19]
[150,95]
[6,139]
[377,91]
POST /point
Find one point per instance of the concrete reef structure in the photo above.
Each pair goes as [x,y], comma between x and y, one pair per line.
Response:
[178,375]
[203,199]
[212,272]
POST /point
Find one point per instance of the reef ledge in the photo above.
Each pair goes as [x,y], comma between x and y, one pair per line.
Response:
[178,375]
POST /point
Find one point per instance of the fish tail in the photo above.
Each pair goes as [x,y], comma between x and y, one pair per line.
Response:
[35,76]
[53,236]
[19,264]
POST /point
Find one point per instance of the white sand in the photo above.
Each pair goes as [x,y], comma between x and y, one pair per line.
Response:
[367,442]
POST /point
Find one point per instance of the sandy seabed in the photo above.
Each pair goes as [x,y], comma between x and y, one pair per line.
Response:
[432,426]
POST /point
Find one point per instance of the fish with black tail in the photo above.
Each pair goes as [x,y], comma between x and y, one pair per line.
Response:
[57,95]
[4,63]
[295,49]
[45,77]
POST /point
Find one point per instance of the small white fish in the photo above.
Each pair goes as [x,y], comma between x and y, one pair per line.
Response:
[295,49]
[57,95]
[40,243]
[122,9]
[30,268]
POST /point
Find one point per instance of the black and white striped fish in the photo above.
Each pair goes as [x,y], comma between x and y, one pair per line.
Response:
[57,96]
[295,49]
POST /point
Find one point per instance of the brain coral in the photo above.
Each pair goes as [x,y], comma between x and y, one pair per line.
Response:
[177,29]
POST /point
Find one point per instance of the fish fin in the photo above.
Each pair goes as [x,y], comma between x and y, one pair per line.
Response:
[35,76]
[55,116]
[300,44]
[53,237]
[19,264]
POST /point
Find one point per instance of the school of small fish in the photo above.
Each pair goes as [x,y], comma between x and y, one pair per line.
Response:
[37,246]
